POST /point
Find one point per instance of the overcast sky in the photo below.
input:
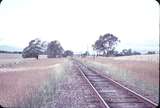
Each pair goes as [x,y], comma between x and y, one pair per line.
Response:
[77,24]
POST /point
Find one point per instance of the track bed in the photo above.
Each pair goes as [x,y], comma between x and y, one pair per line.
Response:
[111,93]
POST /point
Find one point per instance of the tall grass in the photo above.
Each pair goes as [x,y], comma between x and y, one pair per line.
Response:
[127,77]
[44,96]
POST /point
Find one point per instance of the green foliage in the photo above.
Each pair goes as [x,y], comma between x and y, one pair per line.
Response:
[54,49]
[68,53]
[106,44]
[34,48]
[11,52]
[85,54]
[127,52]
[151,52]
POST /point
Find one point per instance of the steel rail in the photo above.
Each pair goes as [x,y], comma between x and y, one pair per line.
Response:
[99,96]
[122,86]
[133,92]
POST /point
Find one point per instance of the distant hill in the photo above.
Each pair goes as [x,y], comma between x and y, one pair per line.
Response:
[9,48]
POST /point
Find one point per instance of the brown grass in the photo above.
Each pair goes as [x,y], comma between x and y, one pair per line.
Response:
[143,70]
[19,82]
[55,83]
[30,83]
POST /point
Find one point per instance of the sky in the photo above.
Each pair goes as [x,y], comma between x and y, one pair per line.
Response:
[77,24]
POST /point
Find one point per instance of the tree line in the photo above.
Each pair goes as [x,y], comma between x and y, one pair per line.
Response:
[11,52]
[105,45]
[52,49]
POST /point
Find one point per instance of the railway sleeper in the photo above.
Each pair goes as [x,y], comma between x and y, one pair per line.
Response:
[125,100]
[90,105]
[128,105]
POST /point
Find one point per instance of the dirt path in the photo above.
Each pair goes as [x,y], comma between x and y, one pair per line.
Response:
[73,91]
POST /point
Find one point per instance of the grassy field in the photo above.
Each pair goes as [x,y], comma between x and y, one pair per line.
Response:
[9,59]
[31,83]
[9,56]
[43,83]
[27,83]
[140,73]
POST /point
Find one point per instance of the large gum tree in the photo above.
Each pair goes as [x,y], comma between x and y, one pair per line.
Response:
[106,44]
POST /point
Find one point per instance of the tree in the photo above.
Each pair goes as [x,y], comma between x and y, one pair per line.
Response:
[136,53]
[115,53]
[106,44]
[54,49]
[127,52]
[85,54]
[44,46]
[68,53]
[34,48]
[151,52]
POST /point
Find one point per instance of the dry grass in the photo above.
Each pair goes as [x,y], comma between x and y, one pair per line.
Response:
[72,91]
[46,83]
[7,60]
[140,73]
[25,84]
[10,56]
[154,58]
[53,83]
[44,95]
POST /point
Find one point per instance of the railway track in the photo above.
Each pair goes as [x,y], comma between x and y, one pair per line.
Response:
[110,93]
